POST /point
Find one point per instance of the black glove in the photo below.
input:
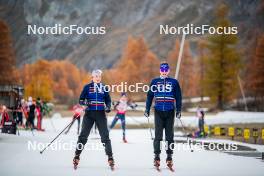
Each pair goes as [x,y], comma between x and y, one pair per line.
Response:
[178,114]
[133,105]
[107,109]
[146,114]
[84,102]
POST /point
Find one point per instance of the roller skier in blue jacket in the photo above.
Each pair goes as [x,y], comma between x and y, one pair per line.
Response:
[167,94]
[98,102]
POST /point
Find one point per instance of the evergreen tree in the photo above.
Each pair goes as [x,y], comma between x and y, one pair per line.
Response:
[222,63]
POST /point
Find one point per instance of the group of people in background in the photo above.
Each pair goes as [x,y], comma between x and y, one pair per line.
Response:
[25,112]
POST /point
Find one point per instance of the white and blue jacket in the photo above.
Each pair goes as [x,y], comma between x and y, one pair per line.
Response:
[95,97]
[167,94]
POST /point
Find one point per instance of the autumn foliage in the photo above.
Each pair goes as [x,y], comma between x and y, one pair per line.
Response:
[7,57]
[255,70]
[59,80]
[138,64]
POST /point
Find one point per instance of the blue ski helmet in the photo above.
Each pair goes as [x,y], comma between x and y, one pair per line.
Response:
[164,67]
[123,94]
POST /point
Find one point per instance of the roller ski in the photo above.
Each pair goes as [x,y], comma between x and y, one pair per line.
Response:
[76,161]
[124,140]
[111,163]
[157,163]
[169,163]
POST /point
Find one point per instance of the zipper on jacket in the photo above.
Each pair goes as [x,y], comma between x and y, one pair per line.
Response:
[95,97]
[164,94]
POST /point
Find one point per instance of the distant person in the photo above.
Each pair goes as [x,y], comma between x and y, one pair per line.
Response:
[24,109]
[121,108]
[39,112]
[200,115]
[46,109]
[5,116]
[31,113]
[19,113]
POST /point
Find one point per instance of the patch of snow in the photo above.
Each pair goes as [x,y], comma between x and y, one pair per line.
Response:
[56,116]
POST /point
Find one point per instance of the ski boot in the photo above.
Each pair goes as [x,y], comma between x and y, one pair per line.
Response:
[157,162]
[76,160]
[169,162]
[111,162]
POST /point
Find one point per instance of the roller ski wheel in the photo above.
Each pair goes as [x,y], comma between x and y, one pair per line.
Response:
[76,161]
[157,163]
[169,163]
[124,140]
[111,163]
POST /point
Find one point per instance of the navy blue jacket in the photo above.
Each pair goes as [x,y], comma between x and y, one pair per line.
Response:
[167,93]
[94,97]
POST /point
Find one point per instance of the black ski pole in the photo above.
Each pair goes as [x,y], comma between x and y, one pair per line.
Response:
[17,131]
[186,135]
[150,129]
[32,131]
[57,136]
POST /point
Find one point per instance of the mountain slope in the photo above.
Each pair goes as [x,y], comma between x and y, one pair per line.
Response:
[121,18]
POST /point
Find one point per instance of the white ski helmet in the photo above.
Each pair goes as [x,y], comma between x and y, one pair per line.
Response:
[97,72]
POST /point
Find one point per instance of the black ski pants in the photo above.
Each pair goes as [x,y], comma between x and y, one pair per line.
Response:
[164,120]
[99,118]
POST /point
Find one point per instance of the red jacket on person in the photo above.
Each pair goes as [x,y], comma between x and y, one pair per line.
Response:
[5,118]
